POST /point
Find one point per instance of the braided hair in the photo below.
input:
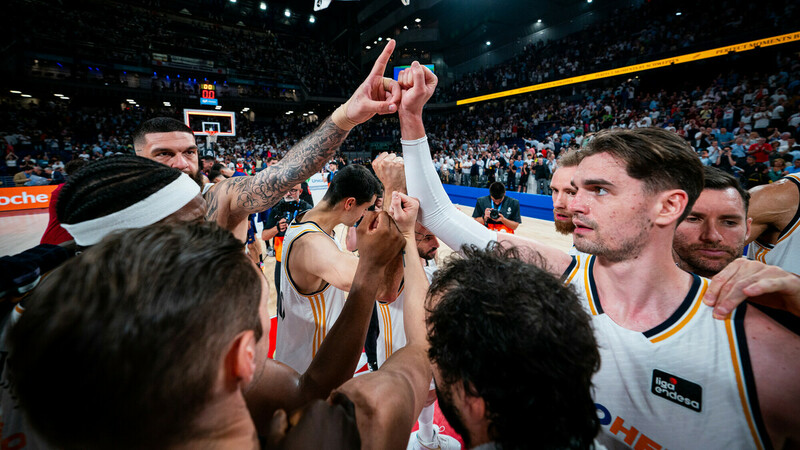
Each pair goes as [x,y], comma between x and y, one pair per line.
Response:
[109,185]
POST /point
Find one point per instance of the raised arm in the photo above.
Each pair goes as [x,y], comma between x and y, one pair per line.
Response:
[280,387]
[235,198]
[437,213]
[404,379]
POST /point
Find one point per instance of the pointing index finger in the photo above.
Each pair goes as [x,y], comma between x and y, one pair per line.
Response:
[380,64]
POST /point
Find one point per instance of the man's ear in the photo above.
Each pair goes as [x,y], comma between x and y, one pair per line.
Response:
[670,206]
[349,203]
[240,362]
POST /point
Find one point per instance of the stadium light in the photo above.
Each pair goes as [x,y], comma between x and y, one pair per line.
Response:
[25,95]
[369,47]
[312,19]
[263,6]
[64,98]
[588,1]
[287,13]
[488,43]
[218,107]
[16,92]
[167,104]
[678,13]
[405,27]
[539,21]
[289,112]
[233,1]
[311,112]
[418,20]
[374,42]
[59,95]
[380,39]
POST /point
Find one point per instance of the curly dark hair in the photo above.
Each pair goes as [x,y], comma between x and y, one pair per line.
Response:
[519,339]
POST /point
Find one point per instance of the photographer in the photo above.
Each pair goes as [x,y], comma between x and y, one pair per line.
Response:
[496,211]
[277,222]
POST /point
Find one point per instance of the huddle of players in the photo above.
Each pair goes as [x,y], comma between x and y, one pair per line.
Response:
[161,338]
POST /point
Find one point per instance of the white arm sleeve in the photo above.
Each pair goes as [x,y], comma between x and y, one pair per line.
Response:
[436,212]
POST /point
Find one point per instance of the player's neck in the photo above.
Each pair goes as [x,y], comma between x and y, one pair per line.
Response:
[224,424]
[326,218]
[642,292]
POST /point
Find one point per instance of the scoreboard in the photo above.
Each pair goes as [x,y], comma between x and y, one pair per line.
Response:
[208,94]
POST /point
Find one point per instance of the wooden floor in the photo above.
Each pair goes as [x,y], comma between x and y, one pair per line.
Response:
[22,230]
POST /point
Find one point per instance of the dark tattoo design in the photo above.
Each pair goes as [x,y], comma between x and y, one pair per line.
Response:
[248,195]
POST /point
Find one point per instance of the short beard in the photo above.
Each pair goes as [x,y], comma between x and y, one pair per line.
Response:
[628,249]
[701,266]
[565,228]
[452,415]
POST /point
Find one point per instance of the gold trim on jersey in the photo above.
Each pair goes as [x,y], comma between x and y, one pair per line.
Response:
[285,266]
[317,303]
[687,317]
[587,284]
[387,328]
[760,252]
[574,270]
[737,370]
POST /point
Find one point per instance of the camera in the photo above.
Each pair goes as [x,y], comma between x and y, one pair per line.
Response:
[494,214]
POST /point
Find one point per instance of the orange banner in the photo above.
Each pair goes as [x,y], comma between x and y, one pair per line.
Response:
[26,197]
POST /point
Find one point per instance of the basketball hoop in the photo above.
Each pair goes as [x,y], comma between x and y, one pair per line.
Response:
[211,138]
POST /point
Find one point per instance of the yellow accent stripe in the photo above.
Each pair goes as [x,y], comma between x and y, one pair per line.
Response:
[689,57]
[698,300]
[324,322]
[790,232]
[740,383]
[314,345]
[587,286]
[387,330]
[574,270]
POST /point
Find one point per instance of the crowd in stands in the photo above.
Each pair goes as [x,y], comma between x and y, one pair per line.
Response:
[650,32]
[745,124]
[110,32]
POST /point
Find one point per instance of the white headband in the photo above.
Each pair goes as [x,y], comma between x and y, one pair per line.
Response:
[161,204]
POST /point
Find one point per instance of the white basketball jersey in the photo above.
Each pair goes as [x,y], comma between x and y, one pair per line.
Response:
[303,319]
[785,253]
[687,383]
[392,335]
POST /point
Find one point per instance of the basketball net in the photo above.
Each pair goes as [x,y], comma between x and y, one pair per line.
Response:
[211,138]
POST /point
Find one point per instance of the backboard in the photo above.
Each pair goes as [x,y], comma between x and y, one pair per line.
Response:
[203,120]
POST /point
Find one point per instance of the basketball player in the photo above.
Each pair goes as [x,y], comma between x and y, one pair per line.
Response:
[155,355]
[316,272]
[715,231]
[561,186]
[128,192]
[656,386]
[532,324]
[775,211]
[171,142]
[391,172]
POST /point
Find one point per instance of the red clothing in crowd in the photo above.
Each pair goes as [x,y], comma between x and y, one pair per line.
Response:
[760,151]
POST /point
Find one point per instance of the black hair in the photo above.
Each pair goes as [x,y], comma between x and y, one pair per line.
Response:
[531,353]
[497,190]
[158,125]
[352,181]
[718,179]
[215,171]
[74,166]
[109,185]
[136,339]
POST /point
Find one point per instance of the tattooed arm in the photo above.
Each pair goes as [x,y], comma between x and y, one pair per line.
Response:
[232,200]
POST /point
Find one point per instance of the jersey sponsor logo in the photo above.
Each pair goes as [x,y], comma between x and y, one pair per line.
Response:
[627,433]
[677,390]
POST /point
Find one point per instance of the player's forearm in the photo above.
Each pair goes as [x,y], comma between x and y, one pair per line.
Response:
[307,157]
[416,288]
[340,351]
[411,126]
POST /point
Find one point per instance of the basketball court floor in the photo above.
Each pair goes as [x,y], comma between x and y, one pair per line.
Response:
[20,230]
